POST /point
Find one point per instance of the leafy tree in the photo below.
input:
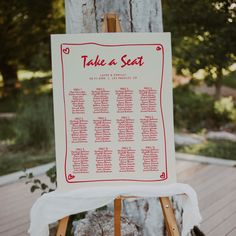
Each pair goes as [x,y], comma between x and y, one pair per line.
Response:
[25,27]
[204,37]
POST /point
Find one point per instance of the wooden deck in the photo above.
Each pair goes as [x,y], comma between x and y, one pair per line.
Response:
[215,186]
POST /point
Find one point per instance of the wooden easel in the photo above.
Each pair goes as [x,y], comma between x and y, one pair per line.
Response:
[111,23]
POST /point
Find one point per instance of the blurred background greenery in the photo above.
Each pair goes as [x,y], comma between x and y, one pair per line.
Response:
[204,77]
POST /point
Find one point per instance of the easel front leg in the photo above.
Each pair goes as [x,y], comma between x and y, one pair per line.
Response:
[169,217]
[117,216]
[61,231]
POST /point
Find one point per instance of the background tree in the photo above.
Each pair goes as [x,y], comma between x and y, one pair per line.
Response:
[203,36]
[25,27]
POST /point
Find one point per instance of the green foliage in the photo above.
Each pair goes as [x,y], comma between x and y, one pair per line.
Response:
[36,184]
[221,149]
[192,111]
[25,28]
[52,175]
[15,158]
[225,110]
[27,140]
[34,123]
[7,131]
[9,104]
[203,36]
[224,106]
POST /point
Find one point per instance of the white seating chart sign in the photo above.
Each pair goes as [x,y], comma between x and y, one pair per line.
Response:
[113,109]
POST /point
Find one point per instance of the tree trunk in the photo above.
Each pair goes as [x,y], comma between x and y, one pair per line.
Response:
[10,79]
[218,86]
[135,16]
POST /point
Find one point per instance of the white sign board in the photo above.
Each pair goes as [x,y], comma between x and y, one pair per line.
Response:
[113,109]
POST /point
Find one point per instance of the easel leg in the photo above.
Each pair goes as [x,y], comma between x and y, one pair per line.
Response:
[61,231]
[117,216]
[169,217]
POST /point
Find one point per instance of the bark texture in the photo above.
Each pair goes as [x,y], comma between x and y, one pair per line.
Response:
[10,80]
[85,16]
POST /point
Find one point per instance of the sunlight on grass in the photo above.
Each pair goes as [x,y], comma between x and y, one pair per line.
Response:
[45,88]
[25,74]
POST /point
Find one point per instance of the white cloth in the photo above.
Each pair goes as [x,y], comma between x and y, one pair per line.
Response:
[55,205]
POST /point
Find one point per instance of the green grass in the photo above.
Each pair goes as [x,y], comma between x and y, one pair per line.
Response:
[9,104]
[12,160]
[27,140]
[7,131]
[219,149]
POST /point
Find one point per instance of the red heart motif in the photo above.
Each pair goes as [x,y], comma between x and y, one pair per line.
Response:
[163,175]
[70,177]
[66,50]
[158,48]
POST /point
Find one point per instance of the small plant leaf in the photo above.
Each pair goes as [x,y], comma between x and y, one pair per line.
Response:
[37,181]
[43,186]
[30,175]
[33,188]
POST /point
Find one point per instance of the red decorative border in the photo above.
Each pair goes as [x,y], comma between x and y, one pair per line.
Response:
[162,115]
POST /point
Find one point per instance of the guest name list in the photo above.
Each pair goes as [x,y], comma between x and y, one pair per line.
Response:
[112,111]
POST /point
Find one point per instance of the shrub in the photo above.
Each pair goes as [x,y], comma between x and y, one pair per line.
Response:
[34,123]
[225,110]
[192,111]
[213,148]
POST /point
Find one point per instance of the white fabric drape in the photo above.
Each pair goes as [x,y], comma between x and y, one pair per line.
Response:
[55,205]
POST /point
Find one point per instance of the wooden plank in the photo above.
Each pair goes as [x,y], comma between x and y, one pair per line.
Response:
[206,174]
[117,216]
[16,230]
[13,202]
[219,178]
[7,192]
[211,186]
[201,175]
[14,218]
[12,221]
[13,199]
[62,226]
[225,227]
[8,226]
[211,223]
[184,165]
[188,169]
[213,193]
[232,232]
[24,205]
[169,217]
[218,205]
